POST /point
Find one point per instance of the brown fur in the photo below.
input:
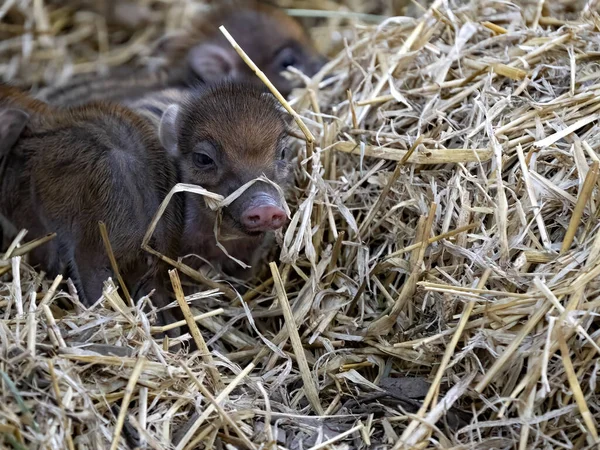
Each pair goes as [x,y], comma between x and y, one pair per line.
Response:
[72,168]
[11,96]
[202,54]
[13,99]
[260,29]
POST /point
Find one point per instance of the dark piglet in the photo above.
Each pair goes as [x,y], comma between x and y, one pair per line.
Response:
[70,169]
[273,40]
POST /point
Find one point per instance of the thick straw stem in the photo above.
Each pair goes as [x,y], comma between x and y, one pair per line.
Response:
[259,73]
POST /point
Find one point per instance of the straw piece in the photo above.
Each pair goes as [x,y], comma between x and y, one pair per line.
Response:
[191,323]
[582,199]
[181,323]
[55,332]
[133,379]
[150,366]
[352,109]
[29,246]
[576,388]
[48,296]
[309,383]
[213,201]
[570,129]
[113,261]
[309,136]
[18,294]
[494,27]
[431,240]
[425,156]
[31,325]
[143,411]
[533,199]
[14,244]
[335,253]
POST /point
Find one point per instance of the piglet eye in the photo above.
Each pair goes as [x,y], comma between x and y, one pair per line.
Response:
[202,160]
[283,153]
[286,58]
[204,154]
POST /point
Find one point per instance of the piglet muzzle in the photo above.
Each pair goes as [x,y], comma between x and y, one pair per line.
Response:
[263,214]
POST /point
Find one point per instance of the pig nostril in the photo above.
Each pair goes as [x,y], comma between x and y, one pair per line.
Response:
[253,219]
[277,220]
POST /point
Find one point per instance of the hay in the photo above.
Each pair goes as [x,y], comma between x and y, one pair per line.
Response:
[437,285]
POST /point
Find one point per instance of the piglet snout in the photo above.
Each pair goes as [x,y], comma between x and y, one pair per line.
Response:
[263,215]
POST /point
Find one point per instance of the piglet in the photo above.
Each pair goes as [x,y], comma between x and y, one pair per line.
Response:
[222,138]
[69,169]
[66,170]
[272,39]
[201,54]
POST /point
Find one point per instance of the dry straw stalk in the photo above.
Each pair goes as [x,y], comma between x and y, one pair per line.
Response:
[437,285]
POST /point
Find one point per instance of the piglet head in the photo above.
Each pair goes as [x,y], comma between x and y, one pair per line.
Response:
[226,136]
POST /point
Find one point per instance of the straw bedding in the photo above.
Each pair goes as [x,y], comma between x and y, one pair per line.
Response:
[437,286]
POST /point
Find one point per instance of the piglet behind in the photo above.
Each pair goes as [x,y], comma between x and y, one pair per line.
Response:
[200,53]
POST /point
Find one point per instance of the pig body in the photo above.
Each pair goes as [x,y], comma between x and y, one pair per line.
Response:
[71,169]
[201,54]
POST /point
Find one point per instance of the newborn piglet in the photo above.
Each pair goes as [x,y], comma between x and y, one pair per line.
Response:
[70,169]
[221,139]
[273,40]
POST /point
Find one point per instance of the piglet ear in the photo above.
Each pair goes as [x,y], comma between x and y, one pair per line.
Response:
[167,131]
[211,62]
[12,124]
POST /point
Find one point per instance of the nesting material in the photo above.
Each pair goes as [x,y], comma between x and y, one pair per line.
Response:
[437,285]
